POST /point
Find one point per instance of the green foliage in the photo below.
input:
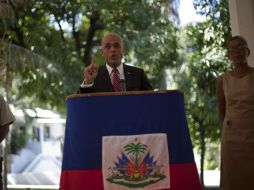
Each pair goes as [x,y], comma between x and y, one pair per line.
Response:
[212,158]
[18,140]
[49,43]
[204,58]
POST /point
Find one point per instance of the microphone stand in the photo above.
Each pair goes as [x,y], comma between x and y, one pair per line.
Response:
[123,85]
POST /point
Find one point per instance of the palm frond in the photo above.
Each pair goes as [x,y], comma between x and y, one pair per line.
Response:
[16,60]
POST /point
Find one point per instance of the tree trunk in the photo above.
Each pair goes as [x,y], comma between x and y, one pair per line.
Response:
[95,25]
[202,154]
[202,130]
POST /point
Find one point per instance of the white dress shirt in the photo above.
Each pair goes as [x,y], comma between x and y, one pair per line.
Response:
[109,68]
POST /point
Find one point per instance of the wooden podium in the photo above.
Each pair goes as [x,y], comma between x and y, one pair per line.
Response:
[91,117]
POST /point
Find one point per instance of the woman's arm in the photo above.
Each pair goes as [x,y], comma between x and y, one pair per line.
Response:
[221,102]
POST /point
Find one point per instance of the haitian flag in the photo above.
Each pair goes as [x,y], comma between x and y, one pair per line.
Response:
[131,140]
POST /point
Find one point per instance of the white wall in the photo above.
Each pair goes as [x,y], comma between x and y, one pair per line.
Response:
[242,22]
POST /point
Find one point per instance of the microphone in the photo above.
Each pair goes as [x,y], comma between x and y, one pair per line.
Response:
[123,85]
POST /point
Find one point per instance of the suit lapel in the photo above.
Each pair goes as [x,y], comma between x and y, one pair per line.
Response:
[106,81]
[128,76]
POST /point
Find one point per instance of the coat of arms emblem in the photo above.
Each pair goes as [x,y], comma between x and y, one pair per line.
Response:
[138,162]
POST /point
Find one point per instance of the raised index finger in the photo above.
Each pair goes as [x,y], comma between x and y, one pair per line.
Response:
[93,64]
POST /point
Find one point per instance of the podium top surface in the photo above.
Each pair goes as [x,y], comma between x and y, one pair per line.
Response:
[122,93]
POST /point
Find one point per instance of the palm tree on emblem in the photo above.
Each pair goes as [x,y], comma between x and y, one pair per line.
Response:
[136,149]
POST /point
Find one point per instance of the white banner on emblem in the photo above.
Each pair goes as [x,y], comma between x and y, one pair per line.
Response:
[135,162]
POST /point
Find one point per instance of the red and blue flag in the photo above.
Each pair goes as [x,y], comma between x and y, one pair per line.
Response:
[92,118]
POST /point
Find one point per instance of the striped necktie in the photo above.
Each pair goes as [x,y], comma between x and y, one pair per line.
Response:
[116,80]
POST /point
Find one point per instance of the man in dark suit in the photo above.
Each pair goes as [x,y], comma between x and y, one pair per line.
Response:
[6,119]
[103,79]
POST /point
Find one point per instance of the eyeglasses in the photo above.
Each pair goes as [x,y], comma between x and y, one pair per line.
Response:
[240,47]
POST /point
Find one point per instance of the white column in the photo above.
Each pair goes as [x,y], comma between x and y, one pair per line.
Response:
[242,22]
